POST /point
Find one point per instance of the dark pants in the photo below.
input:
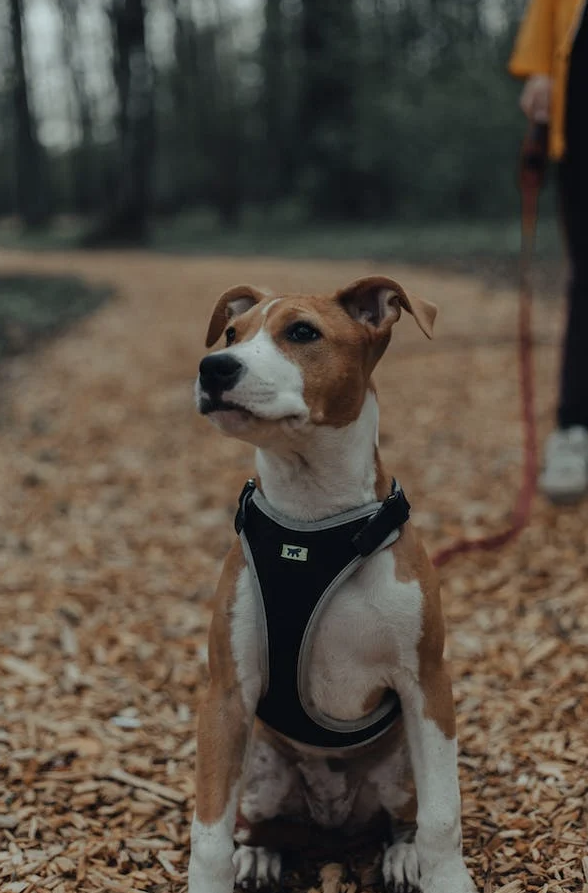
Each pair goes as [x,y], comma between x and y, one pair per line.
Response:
[573,190]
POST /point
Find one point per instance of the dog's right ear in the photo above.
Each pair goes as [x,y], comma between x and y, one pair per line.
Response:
[234,302]
[377,301]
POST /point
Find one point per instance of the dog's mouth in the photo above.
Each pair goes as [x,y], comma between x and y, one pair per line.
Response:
[209,405]
[224,410]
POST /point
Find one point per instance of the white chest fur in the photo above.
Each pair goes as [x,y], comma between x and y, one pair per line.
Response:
[373,622]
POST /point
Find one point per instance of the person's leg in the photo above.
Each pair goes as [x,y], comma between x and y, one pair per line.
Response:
[573,396]
[565,472]
[573,190]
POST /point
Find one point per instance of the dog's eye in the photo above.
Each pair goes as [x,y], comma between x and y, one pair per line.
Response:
[230,335]
[302,332]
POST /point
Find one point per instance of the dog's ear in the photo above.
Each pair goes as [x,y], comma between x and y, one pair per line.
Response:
[378,301]
[234,302]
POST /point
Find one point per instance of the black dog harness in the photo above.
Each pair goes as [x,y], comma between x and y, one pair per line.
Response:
[296,568]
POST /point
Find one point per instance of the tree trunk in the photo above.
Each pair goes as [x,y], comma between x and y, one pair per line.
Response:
[126,219]
[82,160]
[275,97]
[32,202]
[135,89]
[331,64]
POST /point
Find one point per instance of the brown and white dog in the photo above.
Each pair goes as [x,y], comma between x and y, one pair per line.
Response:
[293,377]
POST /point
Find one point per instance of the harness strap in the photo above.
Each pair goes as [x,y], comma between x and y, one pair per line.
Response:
[247,491]
[395,512]
[296,568]
[392,515]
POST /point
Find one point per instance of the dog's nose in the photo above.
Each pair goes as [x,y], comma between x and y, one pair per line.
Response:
[220,372]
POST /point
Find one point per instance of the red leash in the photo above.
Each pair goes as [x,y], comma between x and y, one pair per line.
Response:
[532,169]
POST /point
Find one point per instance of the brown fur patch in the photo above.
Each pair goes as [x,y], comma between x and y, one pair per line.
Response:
[383,483]
[406,815]
[373,700]
[236,300]
[336,367]
[412,563]
[382,298]
[222,714]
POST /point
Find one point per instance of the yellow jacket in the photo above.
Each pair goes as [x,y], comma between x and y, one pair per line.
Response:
[543,46]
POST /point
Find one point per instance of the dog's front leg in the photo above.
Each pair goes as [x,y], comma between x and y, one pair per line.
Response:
[222,745]
[429,718]
[224,728]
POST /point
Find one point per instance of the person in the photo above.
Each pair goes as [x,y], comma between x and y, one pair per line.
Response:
[551,53]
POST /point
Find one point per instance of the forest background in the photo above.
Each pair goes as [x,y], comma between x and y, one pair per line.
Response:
[190,122]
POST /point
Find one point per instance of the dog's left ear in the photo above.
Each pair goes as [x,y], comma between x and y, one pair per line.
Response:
[378,301]
[234,302]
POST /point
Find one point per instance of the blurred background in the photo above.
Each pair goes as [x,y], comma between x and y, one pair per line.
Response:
[302,125]
[295,145]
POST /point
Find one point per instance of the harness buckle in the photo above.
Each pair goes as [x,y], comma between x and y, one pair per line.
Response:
[246,494]
[392,514]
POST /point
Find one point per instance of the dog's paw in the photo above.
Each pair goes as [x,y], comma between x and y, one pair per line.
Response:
[256,868]
[400,867]
[450,876]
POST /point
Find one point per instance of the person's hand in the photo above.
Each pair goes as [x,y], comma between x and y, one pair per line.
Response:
[536,98]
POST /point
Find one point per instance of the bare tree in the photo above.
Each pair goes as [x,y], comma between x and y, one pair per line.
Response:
[126,217]
[82,155]
[274,101]
[134,81]
[31,184]
[329,76]
[207,108]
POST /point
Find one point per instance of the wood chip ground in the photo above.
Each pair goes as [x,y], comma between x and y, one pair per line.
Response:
[116,511]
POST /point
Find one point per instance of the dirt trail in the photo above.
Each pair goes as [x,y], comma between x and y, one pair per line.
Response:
[115,513]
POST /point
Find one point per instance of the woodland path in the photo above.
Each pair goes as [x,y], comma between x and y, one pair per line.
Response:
[116,508]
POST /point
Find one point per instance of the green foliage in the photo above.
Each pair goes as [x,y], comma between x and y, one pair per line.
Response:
[351,110]
[285,232]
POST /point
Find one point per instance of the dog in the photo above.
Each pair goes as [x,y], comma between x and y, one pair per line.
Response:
[355,712]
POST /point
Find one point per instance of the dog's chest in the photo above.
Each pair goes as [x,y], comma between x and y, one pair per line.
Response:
[370,628]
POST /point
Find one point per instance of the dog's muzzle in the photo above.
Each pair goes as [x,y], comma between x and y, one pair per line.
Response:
[220,372]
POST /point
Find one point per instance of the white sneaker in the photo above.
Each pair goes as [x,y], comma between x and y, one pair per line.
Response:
[565,470]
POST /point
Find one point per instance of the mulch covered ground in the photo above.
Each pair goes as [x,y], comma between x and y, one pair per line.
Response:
[116,508]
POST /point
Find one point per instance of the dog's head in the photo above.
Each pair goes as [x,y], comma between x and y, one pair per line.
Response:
[290,361]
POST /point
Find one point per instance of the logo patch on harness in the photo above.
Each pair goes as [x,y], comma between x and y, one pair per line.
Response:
[294,553]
